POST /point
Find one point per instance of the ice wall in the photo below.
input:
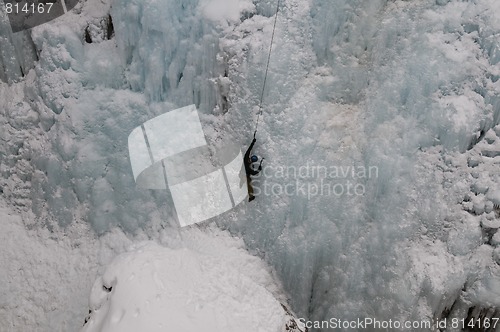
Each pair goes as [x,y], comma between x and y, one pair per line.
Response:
[97,78]
[17,53]
[170,49]
[408,87]
[372,83]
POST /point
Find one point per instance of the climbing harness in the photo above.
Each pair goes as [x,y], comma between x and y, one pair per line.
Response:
[267,68]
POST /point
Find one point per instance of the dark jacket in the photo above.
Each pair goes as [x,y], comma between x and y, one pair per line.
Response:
[248,162]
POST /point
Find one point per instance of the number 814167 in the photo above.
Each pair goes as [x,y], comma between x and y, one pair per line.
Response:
[39,8]
[482,324]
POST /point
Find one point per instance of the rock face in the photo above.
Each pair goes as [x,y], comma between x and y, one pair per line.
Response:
[153,288]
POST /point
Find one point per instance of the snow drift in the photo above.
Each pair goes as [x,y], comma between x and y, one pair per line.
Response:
[409,87]
[153,288]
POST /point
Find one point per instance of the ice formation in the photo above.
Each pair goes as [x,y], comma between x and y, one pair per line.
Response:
[409,87]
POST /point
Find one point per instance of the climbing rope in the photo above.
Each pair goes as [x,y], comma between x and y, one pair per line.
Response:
[267,69]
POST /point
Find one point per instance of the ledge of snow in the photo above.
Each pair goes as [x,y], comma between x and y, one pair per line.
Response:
[153,288]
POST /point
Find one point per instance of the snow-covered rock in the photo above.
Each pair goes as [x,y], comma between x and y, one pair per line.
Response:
[153,288]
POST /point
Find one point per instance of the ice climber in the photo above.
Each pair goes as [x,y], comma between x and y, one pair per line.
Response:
[250,170]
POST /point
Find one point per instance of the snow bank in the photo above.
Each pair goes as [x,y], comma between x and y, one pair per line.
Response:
[45,277]
[203,279]
[153,288]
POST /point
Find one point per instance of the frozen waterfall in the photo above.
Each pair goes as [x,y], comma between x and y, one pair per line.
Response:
[380,132]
